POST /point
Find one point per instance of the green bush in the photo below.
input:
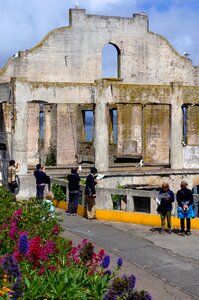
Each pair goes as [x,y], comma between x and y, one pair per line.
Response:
[68,283]
[5,195]
[58,192]
[51,157]
[116,199]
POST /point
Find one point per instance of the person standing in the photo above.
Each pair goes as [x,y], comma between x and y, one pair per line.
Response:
[41,180]
[185,207]
[90,193]
[74,191]
[166,197]
[12,170]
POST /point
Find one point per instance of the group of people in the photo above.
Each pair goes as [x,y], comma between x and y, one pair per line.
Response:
[73,186]
[74,192]
[185,202]
[165,197]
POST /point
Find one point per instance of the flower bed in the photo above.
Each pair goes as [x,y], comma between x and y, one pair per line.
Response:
[37,263]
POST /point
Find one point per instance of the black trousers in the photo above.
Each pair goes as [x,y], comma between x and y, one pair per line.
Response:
[188,224]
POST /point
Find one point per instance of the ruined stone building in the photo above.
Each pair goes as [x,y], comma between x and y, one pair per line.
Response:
[149,111]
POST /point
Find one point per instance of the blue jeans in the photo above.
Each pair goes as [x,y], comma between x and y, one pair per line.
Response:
[40,191]
[73,202]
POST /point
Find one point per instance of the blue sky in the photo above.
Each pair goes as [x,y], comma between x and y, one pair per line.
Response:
[25,22]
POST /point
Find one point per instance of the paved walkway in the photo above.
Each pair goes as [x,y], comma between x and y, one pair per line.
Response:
[165,265]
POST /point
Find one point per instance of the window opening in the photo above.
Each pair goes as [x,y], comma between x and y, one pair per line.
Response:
[113,126]
[142,204]
[110,61]
[119,202]
[41,125]
[88,120]
[1,118]
[184,111]
[195,191]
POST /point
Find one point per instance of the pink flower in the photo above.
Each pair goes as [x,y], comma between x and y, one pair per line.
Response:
[41,271]
[101,253]
[13,230]
[34,248]
[56,230]
[53,268]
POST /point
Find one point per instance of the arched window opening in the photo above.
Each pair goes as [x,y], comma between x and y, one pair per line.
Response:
[110,61]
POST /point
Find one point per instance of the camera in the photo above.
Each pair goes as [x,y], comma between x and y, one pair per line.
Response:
[185,208]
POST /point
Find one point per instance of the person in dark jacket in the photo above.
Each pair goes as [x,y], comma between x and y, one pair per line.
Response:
[185,207]
[90,193]
[74,191]
[166,197]
[41,180]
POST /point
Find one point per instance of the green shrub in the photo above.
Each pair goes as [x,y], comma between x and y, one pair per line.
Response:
[51,157]
[58,192]
[5,195]
[116,199]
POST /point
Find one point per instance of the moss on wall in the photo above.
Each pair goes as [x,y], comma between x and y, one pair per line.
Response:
[136,93]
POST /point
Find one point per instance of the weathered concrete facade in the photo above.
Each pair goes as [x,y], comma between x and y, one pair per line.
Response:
[46,92]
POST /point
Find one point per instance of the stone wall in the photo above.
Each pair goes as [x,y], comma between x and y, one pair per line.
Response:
[73,53]
[156,98]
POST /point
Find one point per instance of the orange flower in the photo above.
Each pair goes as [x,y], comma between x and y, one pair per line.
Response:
[5,276]
[6,289]
[2,293]
[4,280]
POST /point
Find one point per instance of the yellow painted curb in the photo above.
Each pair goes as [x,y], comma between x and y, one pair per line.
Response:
[128,217]
[64,205]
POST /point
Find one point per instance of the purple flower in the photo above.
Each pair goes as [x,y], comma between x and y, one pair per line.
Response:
[105,262]
[111,295]
[11,268]
[107,272]
[23,244]
[131,281]
[119,262]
